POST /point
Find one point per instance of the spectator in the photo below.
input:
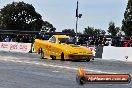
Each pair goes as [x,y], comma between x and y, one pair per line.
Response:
[130,42]
[126,44]
[7,39]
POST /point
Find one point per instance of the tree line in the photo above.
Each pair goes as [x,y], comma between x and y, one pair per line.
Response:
[23,16]
[112,30]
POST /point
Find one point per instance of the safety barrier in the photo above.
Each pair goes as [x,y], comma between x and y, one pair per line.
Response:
[106,52]
[117,53]
[15,47]
[96,50]
[99,51]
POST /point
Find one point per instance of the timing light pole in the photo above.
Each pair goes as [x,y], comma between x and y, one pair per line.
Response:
[77,16]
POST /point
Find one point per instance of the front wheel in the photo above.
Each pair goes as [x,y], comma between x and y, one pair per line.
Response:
[88,59]
[53,57]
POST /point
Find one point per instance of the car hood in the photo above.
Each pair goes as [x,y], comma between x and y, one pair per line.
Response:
[76,49]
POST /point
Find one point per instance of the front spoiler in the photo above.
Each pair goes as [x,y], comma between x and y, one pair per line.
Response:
[80,57]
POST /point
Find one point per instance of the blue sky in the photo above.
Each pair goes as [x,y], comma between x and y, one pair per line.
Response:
[61,13]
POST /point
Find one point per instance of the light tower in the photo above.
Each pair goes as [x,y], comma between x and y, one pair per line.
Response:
[77,16]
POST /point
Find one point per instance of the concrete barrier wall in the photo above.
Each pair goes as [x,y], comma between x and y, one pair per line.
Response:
[15,47]
[106,52]
[96,50]
[117,53]
[99,51]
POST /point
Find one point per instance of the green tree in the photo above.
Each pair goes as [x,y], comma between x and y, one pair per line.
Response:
[0,21]
[89,31]
[93,31]
[47,27]
[99,32]
[102,32]
[20,16]
[68,31]
[127,21]
[112,30]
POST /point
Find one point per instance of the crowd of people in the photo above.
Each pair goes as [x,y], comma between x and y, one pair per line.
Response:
[17,38]
[104,41]
[98,41]
[87,40]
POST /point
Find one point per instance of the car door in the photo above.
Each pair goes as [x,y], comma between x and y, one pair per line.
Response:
[52,46]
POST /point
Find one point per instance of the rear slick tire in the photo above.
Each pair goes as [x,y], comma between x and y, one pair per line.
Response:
[62,57]
[42,55]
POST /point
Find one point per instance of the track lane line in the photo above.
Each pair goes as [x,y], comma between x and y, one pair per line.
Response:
[57,66]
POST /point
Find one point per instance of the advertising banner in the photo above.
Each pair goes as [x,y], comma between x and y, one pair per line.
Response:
[15,47]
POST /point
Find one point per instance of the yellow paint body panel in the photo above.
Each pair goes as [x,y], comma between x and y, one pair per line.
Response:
[71,51]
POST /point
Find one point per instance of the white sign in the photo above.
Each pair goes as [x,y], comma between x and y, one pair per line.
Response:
[117,53]
[15,47]
[24,47]
[5,46]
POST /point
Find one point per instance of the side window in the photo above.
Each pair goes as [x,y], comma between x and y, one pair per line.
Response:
[53,39]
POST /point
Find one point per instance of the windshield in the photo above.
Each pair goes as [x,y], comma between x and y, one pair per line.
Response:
[66,40]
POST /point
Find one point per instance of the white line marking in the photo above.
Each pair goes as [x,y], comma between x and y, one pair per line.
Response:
[20,61]
[28,62]
[56,66]
[55,71]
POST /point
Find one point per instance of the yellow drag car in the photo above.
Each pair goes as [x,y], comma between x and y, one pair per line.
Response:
[61,47]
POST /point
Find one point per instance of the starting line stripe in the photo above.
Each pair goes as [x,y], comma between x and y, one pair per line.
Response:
[56,66]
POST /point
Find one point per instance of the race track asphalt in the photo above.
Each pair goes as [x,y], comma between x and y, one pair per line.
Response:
[27,70]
